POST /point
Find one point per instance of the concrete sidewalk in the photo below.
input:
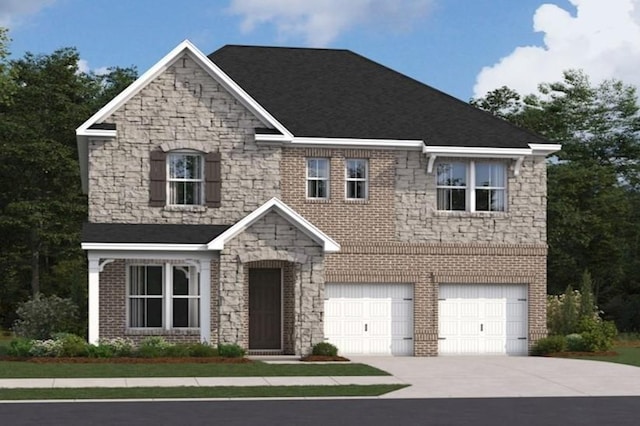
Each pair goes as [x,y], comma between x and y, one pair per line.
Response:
[134,382]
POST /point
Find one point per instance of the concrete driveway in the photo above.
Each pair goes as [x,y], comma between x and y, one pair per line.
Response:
[487,377]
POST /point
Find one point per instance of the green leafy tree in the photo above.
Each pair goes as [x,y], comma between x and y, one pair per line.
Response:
[41,204]
[593,183]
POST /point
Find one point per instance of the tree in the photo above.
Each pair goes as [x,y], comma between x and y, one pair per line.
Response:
[593,182]
[41,203]
[7,85]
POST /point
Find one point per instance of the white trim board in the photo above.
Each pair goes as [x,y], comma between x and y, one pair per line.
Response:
[328,244]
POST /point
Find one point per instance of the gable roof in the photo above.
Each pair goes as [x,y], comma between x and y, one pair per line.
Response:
[330,93]
[286,212]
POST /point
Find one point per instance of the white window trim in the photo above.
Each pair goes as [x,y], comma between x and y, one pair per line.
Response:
[167,296]
[347,179]
[470,188]
[170,179]
[327,179]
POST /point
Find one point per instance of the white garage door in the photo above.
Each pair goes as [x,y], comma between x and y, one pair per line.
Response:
[369,319]
[482,319]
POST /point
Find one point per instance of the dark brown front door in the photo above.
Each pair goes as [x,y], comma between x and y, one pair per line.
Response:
[265,308]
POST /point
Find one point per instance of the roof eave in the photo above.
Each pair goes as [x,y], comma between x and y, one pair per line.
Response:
[328,244]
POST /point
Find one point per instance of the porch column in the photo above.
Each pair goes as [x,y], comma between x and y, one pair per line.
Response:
[94,299]
[205,301]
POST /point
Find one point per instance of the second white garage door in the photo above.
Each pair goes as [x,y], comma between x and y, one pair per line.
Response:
[478,319]
[369,319]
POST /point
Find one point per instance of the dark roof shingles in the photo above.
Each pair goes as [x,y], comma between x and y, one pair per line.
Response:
[150,233]
[339,94]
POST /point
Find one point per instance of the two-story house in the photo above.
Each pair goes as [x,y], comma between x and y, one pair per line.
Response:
[280,197]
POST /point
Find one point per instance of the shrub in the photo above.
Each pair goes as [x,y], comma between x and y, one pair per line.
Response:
[100,351]
[575,343]
[324,349]
[230,350]
[42,316]
[46,348]
[548,345]
[20,347]
[72,345]
[180,350]
[153,347]
[118,346]
[202,350]
[597,335]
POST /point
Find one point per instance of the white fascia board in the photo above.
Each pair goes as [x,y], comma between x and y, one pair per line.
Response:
[328,244]
[154,247]
[544,148]
[98,133]
[149,254]
[357,143]
[270,138]
[465,151]
[161,66]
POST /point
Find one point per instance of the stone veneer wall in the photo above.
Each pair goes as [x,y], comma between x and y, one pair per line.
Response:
[428,265]
[183,108]
[272,238]
[113,305]
[418,220]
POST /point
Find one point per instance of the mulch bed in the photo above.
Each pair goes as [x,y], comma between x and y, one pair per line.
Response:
[323,358]
[124,360]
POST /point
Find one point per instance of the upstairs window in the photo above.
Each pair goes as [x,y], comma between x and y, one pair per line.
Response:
[471,186]
[452,186]
[490,181]
[356,179]
[318,178]
[186,178]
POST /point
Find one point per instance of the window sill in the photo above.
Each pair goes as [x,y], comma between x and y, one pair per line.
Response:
[317,201]
[162,332]
[456,213]
[356,201]
[186,208]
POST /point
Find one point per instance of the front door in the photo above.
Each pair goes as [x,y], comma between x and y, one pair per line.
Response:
[265,308]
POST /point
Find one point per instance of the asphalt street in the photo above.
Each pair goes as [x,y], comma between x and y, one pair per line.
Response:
[584,411]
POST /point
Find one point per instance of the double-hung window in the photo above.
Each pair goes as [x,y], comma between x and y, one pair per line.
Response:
[318,178]
[490,187]
[452,186]
[186,178]
[356,179]
[471,186]
[163,296]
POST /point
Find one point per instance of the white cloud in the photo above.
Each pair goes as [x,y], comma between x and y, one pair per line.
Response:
[320,22]
[83,66]
[602,38]
[11,11]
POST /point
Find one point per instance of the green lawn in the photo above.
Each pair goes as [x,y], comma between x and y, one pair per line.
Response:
[198,392]
[629,355]
[24,369]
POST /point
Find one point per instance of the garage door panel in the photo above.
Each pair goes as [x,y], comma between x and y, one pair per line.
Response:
[376,319]
[482,318]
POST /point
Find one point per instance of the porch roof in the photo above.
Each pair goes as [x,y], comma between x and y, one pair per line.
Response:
[150,233]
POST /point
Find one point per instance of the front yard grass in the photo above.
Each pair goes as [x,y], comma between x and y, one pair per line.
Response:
[199,392]
[624,354]
[25,369]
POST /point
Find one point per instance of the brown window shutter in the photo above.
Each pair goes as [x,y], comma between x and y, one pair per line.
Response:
[212,179]
[158,179]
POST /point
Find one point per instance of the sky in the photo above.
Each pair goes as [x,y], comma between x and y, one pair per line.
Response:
[462,47]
